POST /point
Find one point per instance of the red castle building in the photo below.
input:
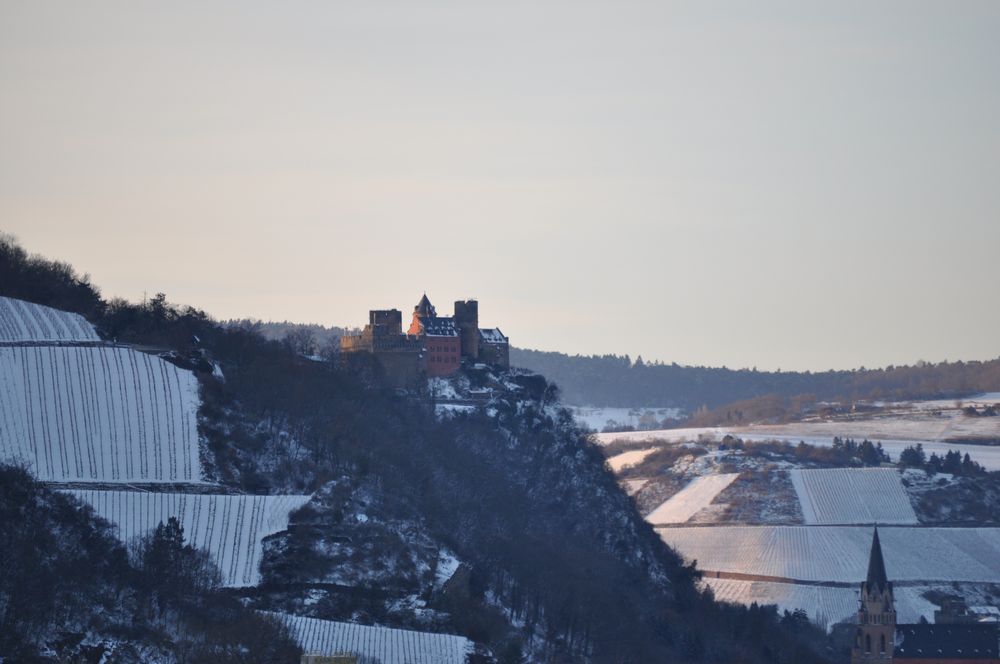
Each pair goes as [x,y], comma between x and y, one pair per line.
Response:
[432,346]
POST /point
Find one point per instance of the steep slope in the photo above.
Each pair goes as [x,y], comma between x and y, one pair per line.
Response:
[23,321]
[556,563]
[92,414]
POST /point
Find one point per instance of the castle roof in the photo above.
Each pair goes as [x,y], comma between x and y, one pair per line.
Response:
[424,307]
[492,335]
[973,641]
[438,326]
[876,566]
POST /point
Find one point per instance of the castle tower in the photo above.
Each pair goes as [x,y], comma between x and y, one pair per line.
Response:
[467,322]
[422,312]
[873,641]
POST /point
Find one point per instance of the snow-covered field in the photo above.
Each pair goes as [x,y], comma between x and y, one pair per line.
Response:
[229,527]
[662,435]
[383,644]
[852,495]
[25,321]
[630,458]
[691,499]
[840,553]
[98,414]
[987,455]
[825,605]
[598,418]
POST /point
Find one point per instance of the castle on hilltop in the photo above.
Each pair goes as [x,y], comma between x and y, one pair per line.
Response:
[950,639]
[432,346]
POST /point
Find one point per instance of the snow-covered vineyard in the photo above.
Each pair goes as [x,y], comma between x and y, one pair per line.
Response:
[840,553]
[26,322]
[74,410]
[230,528]
[690,500]
[98,414]
[381,644]
[833,496]
[825,605]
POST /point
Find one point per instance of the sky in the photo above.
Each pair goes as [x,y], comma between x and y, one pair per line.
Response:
[794,185]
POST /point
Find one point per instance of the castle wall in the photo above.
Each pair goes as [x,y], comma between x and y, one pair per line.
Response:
[495,354]
[443,355]
[403,369]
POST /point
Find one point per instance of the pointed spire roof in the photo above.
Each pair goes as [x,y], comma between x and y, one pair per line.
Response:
[876,566]
[424,307]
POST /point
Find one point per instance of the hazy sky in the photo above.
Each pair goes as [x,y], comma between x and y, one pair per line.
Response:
[794,185]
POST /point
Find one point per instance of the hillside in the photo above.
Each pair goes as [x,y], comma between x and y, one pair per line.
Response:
[612,380]
[500,524]
[784,513]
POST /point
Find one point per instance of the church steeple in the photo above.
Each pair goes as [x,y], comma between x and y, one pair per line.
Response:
[875,635]
[877,579]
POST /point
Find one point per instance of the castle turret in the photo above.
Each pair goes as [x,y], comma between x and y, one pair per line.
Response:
[467,322]
[873,641]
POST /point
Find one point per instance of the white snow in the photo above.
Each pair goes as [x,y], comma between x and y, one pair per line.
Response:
[691,499]
[840,553]
[447,565]
[825,605]
[633,487]
[230,528]
[25,321]
[98,414]
[630,458]
[662,435]
[986,455]
[383,644]
[441,388]
[852,495]
[597,418]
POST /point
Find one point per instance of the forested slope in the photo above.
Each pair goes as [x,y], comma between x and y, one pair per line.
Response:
[612,380]
[558,564]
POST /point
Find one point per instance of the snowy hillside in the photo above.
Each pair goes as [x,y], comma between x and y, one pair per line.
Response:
[822,436]
[326,637]
[825,605]
[832,496]
[98,414]
[691,499]
[840,553]
[598,419]
[23,321]
[229,527]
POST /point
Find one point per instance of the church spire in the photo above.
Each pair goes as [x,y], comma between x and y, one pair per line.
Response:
[876,566]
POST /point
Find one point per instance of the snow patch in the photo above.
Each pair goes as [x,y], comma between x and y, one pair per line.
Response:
[687,502]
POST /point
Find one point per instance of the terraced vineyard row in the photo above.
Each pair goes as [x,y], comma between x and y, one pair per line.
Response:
[326,637]
[230,528]
[24,321]
[852,495]
[840,553]
[98,414]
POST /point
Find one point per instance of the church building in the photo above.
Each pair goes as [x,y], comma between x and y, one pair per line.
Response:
[878,638]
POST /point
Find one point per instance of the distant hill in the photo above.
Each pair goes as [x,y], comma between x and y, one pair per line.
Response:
[613,380]
[619,381]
